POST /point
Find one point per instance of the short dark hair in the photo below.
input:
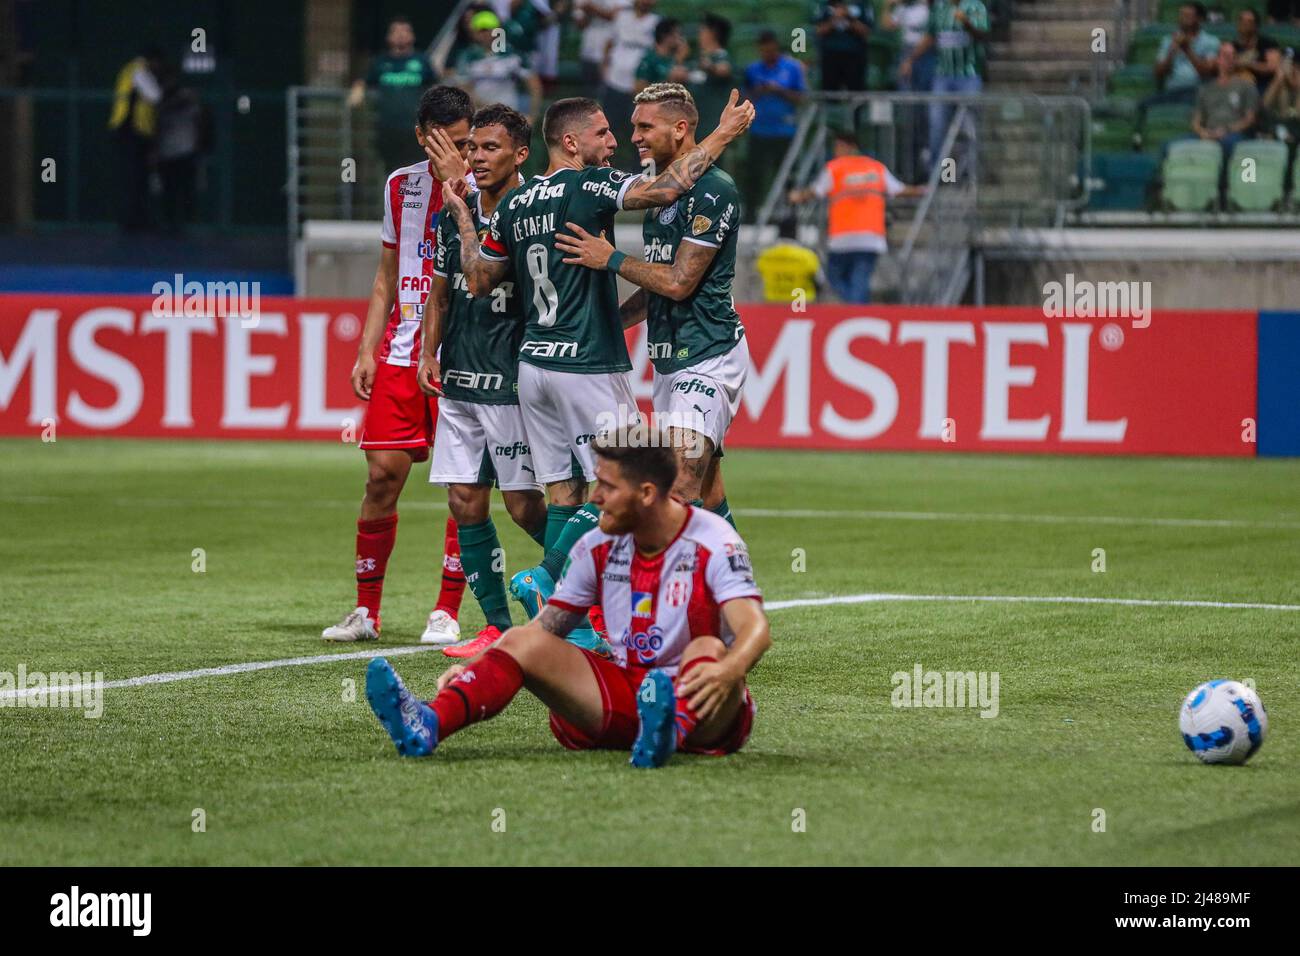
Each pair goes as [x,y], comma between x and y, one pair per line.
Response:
[767,36]
[444,106]
[1254,14]
[400,18]
[564,115]
[720,26]
[846,136]
[640,459]
[515,123]
[1201,12]
[665,27]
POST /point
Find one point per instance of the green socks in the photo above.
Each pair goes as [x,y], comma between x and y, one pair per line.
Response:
[565,524]
[483,562]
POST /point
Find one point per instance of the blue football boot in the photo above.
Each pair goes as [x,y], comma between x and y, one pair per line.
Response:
[656,711]
[409,721]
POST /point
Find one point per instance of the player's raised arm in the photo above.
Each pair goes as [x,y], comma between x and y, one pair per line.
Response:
[685,171]
[482,275]
[675,280]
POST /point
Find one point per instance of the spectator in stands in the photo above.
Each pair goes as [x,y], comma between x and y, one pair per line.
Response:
[183,134]
[1256,54]
[397,77]
[911,18]
[957,29]
[776,85]
[856,188]
[710,78]
[1281,107]
[1226,109]
[842,32]
[788,267]
[665,62]
[1185,58]
[546,58]
[134,123]
[632,38]
[492,71]
[595,18]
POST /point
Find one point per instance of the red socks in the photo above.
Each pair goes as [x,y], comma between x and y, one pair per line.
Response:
[480,692]
[374,544]
[453,576]
[686,717]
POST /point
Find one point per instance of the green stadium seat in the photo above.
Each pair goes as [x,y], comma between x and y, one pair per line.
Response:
[1112,134]
[1269,174]
[1146,44]
[1125,180]
[1134,82]
[1191,175]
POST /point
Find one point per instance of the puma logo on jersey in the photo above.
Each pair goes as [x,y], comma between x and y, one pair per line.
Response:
[711,197]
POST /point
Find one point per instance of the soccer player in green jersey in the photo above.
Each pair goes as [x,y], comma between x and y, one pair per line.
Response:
[573,359]
[695,338]
[468,362]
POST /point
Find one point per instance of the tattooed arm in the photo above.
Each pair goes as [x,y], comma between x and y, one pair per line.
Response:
[558,621]
[676,280]
[481,275]
[685,171]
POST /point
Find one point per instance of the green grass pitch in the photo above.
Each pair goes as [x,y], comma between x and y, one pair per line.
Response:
[97,542]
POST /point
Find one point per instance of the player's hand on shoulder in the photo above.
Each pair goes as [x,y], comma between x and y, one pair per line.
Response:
[363,376]
[429,376]
[449,675]
[582,248]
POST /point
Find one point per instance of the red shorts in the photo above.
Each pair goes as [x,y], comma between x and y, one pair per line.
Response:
[399,415]
[618,690]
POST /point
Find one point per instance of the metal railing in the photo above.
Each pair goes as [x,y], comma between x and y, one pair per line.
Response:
[333,167]
[1018,160]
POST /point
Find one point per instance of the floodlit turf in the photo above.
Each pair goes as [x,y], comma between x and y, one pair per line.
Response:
[97,544]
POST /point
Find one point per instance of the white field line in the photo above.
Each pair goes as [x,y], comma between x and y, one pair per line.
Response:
[810,513]
[376,650]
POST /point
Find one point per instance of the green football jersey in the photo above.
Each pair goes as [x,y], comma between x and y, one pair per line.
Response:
[480,337]
[573,322]
[705,324]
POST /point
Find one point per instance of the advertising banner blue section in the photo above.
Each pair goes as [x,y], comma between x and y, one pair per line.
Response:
[1279,383]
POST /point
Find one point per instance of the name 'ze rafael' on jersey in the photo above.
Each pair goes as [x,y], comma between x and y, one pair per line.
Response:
[412,201]
[573,318]
[655,606]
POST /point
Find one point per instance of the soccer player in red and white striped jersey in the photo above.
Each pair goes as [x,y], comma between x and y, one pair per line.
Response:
[400,418]
[685,619]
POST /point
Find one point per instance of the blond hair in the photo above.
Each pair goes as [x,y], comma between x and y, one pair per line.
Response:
[675,97]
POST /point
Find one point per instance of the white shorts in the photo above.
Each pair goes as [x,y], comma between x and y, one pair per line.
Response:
[563,411]
[475,444]
[706,396]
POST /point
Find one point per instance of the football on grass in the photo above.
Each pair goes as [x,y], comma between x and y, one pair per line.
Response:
[1223,721]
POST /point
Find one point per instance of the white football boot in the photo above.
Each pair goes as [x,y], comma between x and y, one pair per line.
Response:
[441,629]
[357,626]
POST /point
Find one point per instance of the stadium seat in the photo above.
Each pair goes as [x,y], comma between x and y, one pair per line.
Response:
[1123,180]
[1191,175]
[1133,81]
[1112,134]
[1165,122]
[1266,189]
[1146,43]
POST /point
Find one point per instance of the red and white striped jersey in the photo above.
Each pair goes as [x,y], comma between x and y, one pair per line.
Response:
[653,607]
[412,202]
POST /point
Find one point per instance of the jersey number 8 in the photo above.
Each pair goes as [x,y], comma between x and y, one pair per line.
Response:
[545,298]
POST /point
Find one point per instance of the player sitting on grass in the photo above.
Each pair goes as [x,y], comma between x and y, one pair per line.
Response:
[685,620]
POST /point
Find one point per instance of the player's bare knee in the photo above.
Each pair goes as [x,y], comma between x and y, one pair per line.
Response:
[704,647]
[569,493]
[382,486]
[527,509]
[468,503]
